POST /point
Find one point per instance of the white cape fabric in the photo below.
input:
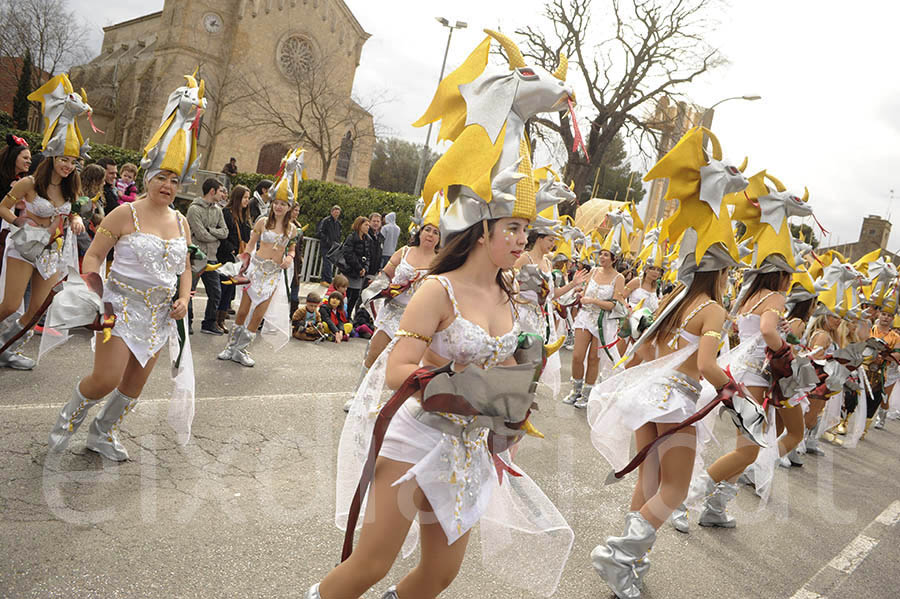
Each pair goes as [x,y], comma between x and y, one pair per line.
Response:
[856,424]
[276,329]
[525,540]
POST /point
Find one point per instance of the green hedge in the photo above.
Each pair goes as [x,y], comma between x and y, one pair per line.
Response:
[317,198]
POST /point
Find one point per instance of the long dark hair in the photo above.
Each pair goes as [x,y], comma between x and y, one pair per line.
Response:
[69,187]
[770,281]
[240,214]
[8,156]
[533,236]
[704,283]
[456,250]
[802,310]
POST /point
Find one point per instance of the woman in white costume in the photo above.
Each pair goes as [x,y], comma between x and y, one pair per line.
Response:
[443,466]
[655,397]
[604,292]
[406,266]
[265,267]
[150,268]
[41,246]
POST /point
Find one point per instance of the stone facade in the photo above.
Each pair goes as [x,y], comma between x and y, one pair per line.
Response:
[874,234]
[144,59]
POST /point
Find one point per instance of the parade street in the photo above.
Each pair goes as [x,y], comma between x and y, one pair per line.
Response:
[246,508]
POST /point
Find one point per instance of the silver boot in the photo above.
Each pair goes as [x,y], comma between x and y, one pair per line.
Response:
[615,561]
[812,439]
[228,352]
[391,593]
[13,356]
[70,418]
[582,401]
[242,340]
[575,394]
[103,436]
[680,520]
[714,513]
[794,458]
[879,417]
[313,592]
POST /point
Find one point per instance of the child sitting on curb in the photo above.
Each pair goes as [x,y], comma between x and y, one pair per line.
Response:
[335,316]
[307,322]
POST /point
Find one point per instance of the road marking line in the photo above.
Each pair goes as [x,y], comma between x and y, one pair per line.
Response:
[276,396]
[850,557]
[853,554]
[891,515]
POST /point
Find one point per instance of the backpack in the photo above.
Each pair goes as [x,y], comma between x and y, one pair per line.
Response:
[336,257]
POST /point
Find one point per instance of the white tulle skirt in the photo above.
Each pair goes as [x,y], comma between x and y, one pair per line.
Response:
[525,540]
[532,320]
[267,280]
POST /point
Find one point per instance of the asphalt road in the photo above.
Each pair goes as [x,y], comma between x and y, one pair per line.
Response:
[246,509]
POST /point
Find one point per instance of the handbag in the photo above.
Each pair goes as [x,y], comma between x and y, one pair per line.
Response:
[336,257]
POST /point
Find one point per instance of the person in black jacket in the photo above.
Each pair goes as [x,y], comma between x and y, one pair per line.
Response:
[236,215]
[357,249]
[329,233]
[376,240]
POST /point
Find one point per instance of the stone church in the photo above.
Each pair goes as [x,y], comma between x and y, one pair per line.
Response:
[239,46]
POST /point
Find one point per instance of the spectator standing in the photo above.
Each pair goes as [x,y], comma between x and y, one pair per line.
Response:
[329,233]
[207,230]
[236,215]
[298,259]
[15,160]
[126,188]
[357,250]
[376,240]
[110,196]
[259,203]
[230,169]
[92,179]
[391,233]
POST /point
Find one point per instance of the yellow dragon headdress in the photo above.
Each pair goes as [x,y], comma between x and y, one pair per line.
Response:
[487,172]
[174,145]
[287,183]
[61,105]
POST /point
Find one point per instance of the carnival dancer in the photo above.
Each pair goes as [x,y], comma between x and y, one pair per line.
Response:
[642,292]
[454,466]
[597,323]
[882,295]
[151,266]
[396,280]
[760,314]
[655,397]
[266,268]
[536,287]
[39,248]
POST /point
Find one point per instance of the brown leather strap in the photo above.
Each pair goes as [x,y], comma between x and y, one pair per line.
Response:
[723,396]
[415,382]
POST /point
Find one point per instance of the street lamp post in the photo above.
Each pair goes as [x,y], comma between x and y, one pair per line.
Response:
[421,174]
[708,113]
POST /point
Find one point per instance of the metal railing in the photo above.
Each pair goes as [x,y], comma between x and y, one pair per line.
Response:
[312,260]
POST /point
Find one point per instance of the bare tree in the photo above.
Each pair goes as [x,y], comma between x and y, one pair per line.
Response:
[56,37]
[652,48]
[318,112]
[224,87]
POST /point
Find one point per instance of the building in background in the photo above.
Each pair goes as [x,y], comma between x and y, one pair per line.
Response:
[874,234]
[231,41]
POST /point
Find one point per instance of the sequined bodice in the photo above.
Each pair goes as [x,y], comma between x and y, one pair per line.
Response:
[270,236]
[597,291]
[44,208]
[651,302]
[405,272]
[465,342]
[149,257]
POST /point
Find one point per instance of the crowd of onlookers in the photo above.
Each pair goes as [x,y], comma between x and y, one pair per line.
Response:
[221,222]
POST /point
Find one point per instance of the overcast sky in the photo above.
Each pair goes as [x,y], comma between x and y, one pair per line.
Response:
[829,117]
